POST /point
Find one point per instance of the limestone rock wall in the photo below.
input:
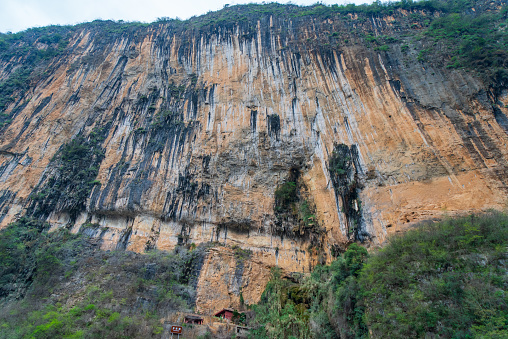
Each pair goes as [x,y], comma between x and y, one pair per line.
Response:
[200,128]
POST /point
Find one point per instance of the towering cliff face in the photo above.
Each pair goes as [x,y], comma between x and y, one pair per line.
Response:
[179,133]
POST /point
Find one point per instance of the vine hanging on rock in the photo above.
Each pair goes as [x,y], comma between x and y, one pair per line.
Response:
[343,168]
[295,211]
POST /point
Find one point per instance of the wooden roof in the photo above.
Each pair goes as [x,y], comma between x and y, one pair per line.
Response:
[193,317]
[224,310]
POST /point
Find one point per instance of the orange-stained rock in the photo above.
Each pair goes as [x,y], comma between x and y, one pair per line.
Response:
[430,143]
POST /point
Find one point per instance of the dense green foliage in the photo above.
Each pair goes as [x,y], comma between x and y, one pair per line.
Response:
[16,251]
[447,279]
[314,307]
[282,311]
[56,285]
[285,195]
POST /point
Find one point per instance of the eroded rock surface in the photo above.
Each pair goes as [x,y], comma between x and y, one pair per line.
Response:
[198,128]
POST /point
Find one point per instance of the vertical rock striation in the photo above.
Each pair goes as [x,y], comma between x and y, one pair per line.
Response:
[170,135]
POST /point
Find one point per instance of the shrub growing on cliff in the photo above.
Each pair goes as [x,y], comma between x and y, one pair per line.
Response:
[17,260]
[478,42]
[295,212]
[344,176]
[285,195]
[77,165]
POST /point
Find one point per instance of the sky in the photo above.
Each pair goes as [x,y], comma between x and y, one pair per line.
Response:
[18,15]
